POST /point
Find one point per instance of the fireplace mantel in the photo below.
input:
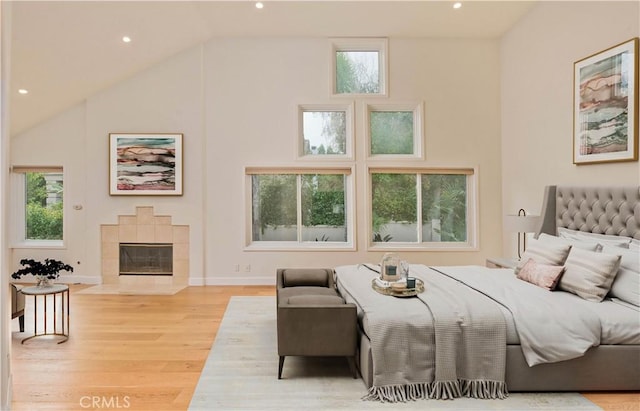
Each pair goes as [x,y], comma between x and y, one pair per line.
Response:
[144,227]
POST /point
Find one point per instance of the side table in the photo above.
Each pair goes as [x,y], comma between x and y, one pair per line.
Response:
[496,262]
[49,293]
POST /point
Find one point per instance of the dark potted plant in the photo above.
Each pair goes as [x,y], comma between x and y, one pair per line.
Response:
[44,272]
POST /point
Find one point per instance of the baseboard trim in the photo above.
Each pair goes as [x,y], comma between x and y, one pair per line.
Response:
[8,392]
[234,280]
[80,279]
[193,281]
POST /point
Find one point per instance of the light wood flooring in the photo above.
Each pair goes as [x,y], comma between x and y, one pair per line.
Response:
[140,353]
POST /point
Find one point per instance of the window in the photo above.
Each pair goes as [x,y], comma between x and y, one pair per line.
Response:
[359,66]
[325,131]
[394,130]
[39,205]
[427,208]
[299,208]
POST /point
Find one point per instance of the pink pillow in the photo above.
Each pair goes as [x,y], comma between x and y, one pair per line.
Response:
[542,275]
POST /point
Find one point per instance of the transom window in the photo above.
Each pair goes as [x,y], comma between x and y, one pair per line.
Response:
[394,129]
[294,208]
[325,131]
[359,66]
[425,208]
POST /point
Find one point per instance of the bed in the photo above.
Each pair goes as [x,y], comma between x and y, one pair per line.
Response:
[605,350]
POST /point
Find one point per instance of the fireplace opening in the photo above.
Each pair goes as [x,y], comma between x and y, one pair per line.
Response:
[146,259]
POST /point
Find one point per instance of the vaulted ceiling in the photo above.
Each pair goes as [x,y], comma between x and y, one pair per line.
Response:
[65,51]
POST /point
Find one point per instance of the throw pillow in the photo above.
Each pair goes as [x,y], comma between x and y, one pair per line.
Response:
[626,285]
[542,275]
[544,253]
[589,274]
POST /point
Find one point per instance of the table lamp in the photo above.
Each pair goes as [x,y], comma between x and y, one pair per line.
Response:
[522,224]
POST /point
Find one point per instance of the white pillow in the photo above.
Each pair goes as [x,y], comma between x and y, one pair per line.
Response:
[626,285]
[604,239]
[544,253]
[589,274]
[584,244]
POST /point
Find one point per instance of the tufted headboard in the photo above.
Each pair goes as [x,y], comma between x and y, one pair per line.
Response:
[597,209]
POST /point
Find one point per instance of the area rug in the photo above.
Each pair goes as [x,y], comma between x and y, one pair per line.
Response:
[241,373]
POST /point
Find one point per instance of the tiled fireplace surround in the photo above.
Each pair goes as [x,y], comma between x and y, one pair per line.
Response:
[144,227]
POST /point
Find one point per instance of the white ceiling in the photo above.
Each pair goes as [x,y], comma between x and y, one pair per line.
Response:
[66,51]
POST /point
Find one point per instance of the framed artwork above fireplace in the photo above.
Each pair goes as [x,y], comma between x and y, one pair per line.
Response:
[145,164]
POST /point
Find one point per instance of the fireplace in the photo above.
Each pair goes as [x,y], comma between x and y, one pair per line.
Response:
[146,259]
[157,249]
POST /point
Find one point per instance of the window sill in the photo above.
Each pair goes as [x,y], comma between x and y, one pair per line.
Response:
[294,246]
[422,247]
[43,244]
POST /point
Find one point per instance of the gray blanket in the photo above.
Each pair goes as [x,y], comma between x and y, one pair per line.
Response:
[458,350]
[551,326]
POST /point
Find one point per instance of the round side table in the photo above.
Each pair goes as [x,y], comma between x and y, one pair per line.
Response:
[48,293]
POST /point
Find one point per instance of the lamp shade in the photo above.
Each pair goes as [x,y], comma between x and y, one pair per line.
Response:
[522,223]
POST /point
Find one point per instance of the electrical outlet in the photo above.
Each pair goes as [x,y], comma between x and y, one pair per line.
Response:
[247,268]
[236,268]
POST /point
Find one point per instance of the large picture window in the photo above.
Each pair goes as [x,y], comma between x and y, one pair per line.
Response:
[424,208]
[39,205]
[294,208]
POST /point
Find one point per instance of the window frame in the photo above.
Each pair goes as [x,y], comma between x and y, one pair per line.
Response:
[354,44]
[417,108]
[18,228]
[299,245]
[471,244]
[348,109]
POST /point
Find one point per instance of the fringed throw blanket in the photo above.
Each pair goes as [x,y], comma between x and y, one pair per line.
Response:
[448,342]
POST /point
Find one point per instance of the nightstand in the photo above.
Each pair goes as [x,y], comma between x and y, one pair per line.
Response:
[501,263]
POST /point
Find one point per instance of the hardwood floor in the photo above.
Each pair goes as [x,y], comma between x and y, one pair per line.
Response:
[140,353]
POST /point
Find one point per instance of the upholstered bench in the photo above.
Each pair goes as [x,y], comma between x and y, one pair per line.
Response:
[312,318]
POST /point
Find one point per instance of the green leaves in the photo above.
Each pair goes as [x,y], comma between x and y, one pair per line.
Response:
[43,221]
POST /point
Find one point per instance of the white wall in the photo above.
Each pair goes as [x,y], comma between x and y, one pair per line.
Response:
[235,101]
[537,58]
[5,303]
[252,91]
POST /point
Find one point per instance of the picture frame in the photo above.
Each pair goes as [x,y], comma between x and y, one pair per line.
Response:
[145,164]
[605,113]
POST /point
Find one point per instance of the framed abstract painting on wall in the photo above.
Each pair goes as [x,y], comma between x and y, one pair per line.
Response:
[605,113]
[145,164]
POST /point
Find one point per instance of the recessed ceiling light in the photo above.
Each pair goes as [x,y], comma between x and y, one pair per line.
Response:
[23,91]
[126,39]
[259,5]
[457,5]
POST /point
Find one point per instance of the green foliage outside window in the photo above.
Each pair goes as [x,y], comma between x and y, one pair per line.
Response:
[391,132]
[444,197]
[357,72]
[275,207]
[323,200]
[274,201]
[331,135]
[444,205]
[43,218]
[394,199]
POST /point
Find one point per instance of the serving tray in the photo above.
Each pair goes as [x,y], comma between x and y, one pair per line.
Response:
[403,292]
